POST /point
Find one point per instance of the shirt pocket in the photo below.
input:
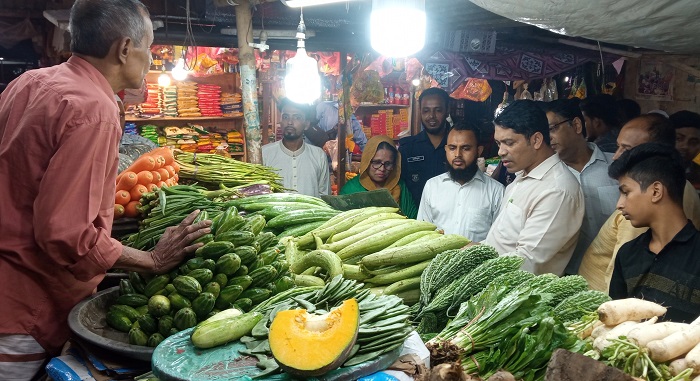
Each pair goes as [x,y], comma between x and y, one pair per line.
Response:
[608,197]
[478,222]
[415,171]
[511,223]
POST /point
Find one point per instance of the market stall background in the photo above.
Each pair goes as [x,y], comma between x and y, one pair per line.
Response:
[495,46]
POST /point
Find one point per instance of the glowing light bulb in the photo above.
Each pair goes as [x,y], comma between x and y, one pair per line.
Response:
[397,27]
[302,84]
[164,80]
[416,82]
[179,72]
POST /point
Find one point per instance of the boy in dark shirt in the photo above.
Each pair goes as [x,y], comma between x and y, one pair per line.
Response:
[663,264]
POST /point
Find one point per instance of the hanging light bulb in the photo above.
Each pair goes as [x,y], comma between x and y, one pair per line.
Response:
[302,84]
[164,79]
[179,72]
[397,27]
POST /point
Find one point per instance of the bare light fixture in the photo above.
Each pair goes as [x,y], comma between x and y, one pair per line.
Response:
[307,3]
[397,27]
[179,72]
[164,79]
[302,83]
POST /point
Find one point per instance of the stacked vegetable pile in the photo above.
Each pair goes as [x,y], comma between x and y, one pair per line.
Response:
[287,214]
[239,266]
[152,170]
[625,334]
[314,315]
[375,245]
[502,318]
[457,276]
[169,206]
[212,170]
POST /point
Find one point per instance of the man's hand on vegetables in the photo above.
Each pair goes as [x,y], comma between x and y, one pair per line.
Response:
[176,243]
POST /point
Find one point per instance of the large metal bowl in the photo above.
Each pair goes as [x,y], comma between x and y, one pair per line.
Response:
[88,320]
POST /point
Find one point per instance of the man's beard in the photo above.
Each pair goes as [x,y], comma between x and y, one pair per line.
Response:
[289,135]
[463,175]
[436,130]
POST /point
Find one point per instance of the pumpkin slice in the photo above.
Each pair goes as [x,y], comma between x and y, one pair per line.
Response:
[308,345]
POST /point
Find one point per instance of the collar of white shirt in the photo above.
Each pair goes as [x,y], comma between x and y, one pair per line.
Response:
[291,153]
[539,171]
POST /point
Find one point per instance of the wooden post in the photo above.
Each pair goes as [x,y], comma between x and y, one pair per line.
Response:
[266,80]
[342,130]
[249,86]
[416,121]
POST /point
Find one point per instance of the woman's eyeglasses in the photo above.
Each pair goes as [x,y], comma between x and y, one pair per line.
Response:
[376,164]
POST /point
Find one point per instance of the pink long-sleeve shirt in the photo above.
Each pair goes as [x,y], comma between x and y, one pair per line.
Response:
[59,151]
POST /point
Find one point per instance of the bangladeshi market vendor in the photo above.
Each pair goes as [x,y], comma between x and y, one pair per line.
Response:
[381,168]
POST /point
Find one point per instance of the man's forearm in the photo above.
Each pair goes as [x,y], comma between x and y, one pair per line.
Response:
[134,260]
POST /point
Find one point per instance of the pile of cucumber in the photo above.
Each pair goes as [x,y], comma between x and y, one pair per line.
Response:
[375,245]
[287,214]
[239,266]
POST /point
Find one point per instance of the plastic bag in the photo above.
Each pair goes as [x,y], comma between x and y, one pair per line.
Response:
[331,149]
[473,89]
[68,368]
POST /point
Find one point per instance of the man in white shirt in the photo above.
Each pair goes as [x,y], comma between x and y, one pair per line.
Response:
[542,209]
[464,200]
[590,166]
[303,167]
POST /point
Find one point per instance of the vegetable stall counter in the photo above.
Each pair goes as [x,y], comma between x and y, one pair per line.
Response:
[176,359]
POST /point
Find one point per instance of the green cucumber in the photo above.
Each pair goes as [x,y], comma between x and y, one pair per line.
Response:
[308,280]
[353,272]
[402,285]
[299,230]
[213,333]
[341,222]
[214,250]
[364,225]
[414,252]
[382,239]
[301,216]
[368,230]
[325,259]
[414,237]
[393,277]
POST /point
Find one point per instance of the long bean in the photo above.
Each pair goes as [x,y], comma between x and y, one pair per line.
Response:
[212,168]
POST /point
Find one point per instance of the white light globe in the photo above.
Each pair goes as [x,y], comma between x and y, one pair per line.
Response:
[302,83]
[397,27]
[179,72]
[164,80]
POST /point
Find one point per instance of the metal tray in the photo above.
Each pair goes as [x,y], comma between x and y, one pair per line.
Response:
[88,321]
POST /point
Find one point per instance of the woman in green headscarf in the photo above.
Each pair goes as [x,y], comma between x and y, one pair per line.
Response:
[381,168]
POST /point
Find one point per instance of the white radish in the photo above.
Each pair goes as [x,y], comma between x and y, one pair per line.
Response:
[678,366]
[588,331]
[674,345]
[696,378]
[600,330]
[621,329]
[693,358]
[643,335]
[615,312]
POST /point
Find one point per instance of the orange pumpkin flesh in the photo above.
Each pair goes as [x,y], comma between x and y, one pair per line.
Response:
[308,345]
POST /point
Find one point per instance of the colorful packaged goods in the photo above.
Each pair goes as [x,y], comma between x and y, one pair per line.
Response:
[209,98]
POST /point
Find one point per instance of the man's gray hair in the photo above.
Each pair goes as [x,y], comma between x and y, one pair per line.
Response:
[96,24]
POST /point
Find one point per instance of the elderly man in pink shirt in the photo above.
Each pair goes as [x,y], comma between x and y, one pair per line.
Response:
[59,139]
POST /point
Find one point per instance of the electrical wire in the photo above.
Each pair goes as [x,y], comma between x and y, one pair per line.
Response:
[602,65]
[189,39]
